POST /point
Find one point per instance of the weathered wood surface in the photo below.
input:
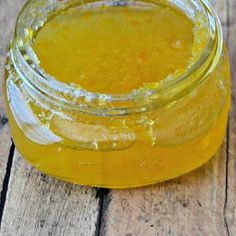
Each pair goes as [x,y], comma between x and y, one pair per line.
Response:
[39,205]
[200,203]
[230,206]
[191,205]
[8,13]
[36,204]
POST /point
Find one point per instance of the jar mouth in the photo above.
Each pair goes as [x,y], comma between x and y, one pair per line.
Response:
[46,88]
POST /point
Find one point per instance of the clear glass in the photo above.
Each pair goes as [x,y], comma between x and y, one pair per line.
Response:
[117,140]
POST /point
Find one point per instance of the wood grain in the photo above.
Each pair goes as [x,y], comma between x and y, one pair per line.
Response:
[36,204]
[200,203]
[230,206]
[39,205]
[194,204]
[8,13]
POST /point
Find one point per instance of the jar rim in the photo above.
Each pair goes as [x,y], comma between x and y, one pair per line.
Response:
[76,98]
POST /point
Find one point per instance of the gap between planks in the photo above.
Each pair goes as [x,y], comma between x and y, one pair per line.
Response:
[104,195]
[6,181]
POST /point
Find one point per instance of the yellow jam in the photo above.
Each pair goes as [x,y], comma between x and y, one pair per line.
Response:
[116,50]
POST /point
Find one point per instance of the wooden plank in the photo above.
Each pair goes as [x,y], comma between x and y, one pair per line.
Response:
[221,8]
[230,206]
[36,204]
[8,10]
[40,205]
[193,204]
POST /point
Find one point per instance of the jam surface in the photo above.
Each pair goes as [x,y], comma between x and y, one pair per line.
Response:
[115,49]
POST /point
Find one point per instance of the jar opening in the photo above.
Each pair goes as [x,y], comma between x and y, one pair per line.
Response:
[45,87]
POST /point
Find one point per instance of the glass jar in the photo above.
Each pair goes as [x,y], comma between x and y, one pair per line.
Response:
[110,140]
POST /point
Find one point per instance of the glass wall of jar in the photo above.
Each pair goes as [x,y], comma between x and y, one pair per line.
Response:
[149,135]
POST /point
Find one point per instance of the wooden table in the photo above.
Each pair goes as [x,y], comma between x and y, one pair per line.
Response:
[200,203]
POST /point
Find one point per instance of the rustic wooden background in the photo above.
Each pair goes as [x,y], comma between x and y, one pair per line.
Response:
[200,203]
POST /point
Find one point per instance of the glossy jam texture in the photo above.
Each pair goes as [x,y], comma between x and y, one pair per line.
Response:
[116,50]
